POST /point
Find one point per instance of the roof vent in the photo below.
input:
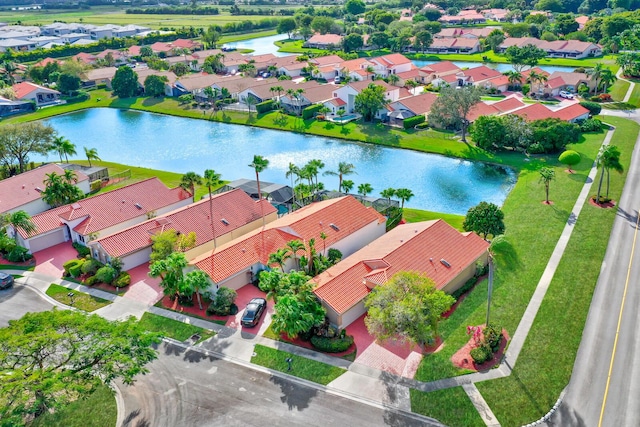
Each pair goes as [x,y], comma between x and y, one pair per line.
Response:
[39,190]
[224,221]
[335,227]
[75,206]
[122,200]
[445,263]
[138,205]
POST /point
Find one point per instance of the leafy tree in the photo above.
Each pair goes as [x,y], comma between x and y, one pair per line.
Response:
[179,69]
[17,141]
[370,101]
[296,309]
[516,30]
[494,39]
[189,181]
[546,176]
[595,73]
[404,194]
[68,83]
[168,241]
[526,56]
[92,154]
[125,82]
[484,219]
[51,358]
[423,40]
[322,24]
[287,25]
[154,85]
[61,189]
[552,135]
[607,78]
[19,220]
[347,185]
[453,107]
[608,158]
[279,257]
[352,42]
[406,308]
[214,64]
[565,23]
[569,158]
[170,271]
[211,37]
[354,7]
[379,39]
[146,52]
[259,164]
[198,281]
[224,299]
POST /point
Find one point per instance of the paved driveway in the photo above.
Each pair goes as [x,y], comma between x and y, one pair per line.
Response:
[49,261]
[19,300]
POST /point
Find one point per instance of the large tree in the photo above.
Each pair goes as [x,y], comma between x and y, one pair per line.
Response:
[526,56]
[406,308]
[168,241]
[170,271]
[259,164]
[92,154]
[287,25]
[125,82]
[371,100]
[51,358]
[68,82]
[154,85]
[485,218]
[352,42]
[19,220]
[61,189]
[17,141]
[453,106]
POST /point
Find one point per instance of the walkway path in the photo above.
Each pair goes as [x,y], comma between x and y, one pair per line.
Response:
[627,96]
[360,382]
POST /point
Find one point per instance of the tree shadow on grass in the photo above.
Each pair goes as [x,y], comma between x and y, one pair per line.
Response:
[329,126]
[122,102]
[525,390]
[295,396]
[151,101]
[281,120]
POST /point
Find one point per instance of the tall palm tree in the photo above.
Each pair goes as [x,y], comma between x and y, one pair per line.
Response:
[514,77]
[596,73]
[279,257]
[388,194]
[316,165]
[344,168]
[259,164]
[211,180]
[365,189]
[278,90]
[293,170]
[68,149]
[404,194]
[607,78]
[535,79]
[189,181]
[546,176]
[56,145]
[19,220]
[369,70]
[608,158]
[70,176]
[92,154]
[347,185]
[393,79]
[294,246]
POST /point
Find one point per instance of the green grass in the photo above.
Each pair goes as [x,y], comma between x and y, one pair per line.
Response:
[301,367]
[619,89]
[635,95]
[172,328]
[416,215]
[17,267]
[81,300]
[97,410]
[451,407]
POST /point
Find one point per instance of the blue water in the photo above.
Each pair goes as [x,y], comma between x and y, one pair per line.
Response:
[180,145]
[500,67]
[260,45]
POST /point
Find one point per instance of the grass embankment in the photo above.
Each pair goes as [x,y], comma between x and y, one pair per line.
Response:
[619,89]
[301,367]
[172,328]
[451,407]
[81,300]
[416,215]
[17,267]
[97,410]
[545,364]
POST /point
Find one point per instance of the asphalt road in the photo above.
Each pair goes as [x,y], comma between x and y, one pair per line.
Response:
[187,388]
[19,300]
[605,385]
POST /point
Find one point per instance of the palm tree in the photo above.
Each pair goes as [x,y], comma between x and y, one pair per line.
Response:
[608,158]
[514,77]
[92,154]
[388,194]
[279,257]
[607,78]
[404,194]
[596,74]
[69,176]
[316,165]
[546,176]
[196,281]
[56,145]
[344,168]
[293,170]
[365,189]
[294,246]
[259,164]
[393,79]
[369,70]
[347,185]
[535,77]
[19,220]
[189,181]
[413,84]
[278,90]
[68,149]
[211,180]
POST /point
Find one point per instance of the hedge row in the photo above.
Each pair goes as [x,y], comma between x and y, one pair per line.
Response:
[311,111]
[332,345]
[265,106]
[412,122]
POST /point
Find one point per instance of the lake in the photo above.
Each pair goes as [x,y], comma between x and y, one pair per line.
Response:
[178,144]
[500,67]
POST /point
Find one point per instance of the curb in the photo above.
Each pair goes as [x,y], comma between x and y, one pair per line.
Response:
[119,404]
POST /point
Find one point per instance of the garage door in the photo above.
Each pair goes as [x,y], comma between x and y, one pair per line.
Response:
[352,314]
[46,241]
[136,259]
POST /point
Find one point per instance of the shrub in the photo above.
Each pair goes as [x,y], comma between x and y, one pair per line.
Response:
[95,185]
[412,122]
[90,266]
[90,281]
[311,111]
[481,354]
[332,345]
[101,86]
[265,106]
[19,254]
[7,244]
[605,97]
[223,301]
[591,125]
[424,125]
[595,99]
[83,251]
[106,274]
[76,269]
[525,89]
[569,158]
[469,284]
[594,108]
[493,336]
[124,279]
[69,264]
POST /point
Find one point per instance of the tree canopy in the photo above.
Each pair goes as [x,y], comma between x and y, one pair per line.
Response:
[526,56]
[169,241]
[125,82]
[452,107]
[484,219]
[51,358]
[19,140]
[406,308]
[154,85]
[371,100]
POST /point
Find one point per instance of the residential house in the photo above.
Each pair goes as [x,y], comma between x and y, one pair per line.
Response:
[346,224]
[234,214]
[567,81]
[499,15]
[393,63]
[556,49]
[42,96]
[293,69]
[17,45]
[410,107]
[192,45]
[71,38]
[119,57]
[169,84]
[356,69]
[23,192]
[103,214]
[46,61]
[317,94]
[470,33]
[582,21]
[477,76]
[431,248]
[464,17]
[349,92]
[324,41]
[454,45]
[262,90]
[86,58]
[573,113]
[98,76]
[508,104]
[195,83]
[430,72]
[499,83]
[279,195]
[9,107]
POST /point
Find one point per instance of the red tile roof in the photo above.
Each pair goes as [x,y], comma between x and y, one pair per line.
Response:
[571,112]
[440,67]
[363,84]
[325,39]
[326,60]
[161,47]
[307,223]
[481,73]
[408,247]
[534,112]
[508,104]
[185,43]
[87,58]
[25,88]
[134,50]
[19,190]
[46,61]
[235,207]
[111,208]
[481,109]
[392,59]
[419,104]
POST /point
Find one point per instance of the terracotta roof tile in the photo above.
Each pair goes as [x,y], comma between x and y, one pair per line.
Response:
[534,112]
[440,67]
[508,104]
[25,88]
[571,112]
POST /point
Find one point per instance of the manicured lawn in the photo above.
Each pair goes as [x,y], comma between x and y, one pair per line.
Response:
[451,406]
[81,300]
[172,328]
[301,367]
[97,410]
[16,267]
[635,95]
[619,90]
[416,215]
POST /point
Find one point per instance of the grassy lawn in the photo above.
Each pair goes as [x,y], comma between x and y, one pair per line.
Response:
[416,215]
[172,328]
[81,300]
[301,367]
[619,89]
[17,267]
[635,95]
[97,410]
[451,406]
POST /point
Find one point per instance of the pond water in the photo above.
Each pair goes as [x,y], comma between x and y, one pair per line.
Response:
[180,145]
[500,67]
[260,45]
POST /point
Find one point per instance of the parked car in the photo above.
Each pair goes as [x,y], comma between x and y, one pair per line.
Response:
[338,79]
[6,281]
[266,75]
[566,95]
[254,311]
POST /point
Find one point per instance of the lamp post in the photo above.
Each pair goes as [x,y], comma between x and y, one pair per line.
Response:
[71,295]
